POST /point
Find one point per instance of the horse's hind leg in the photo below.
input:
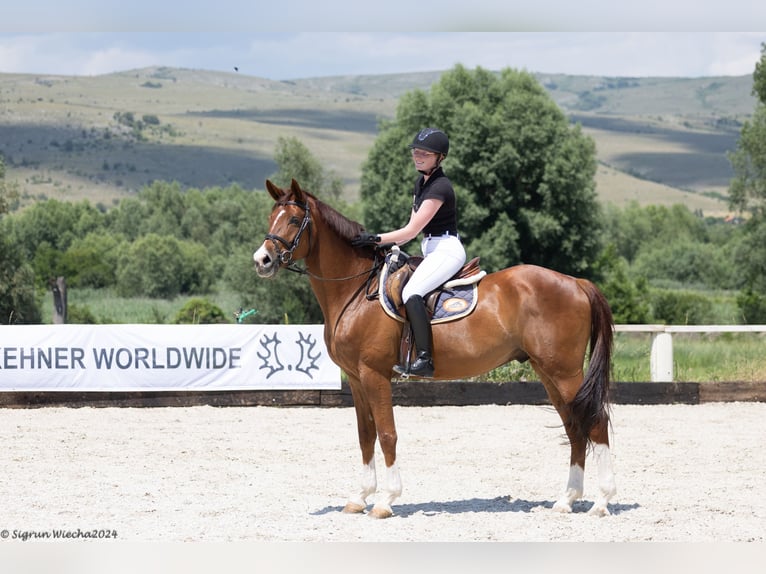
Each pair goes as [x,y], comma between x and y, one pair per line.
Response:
[575,483]
[599,439]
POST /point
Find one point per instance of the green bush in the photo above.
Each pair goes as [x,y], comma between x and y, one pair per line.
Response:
[681,307]
[752,306]
[80,315]
[200,311]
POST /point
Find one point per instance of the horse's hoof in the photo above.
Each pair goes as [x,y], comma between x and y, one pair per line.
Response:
[353,508]
[563,507]
[599,510]
[381,512]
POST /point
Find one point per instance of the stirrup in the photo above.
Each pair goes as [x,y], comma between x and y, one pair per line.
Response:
[425,370]
[406,371]
[401,370]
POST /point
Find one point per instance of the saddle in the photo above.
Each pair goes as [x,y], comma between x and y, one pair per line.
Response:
[454,299]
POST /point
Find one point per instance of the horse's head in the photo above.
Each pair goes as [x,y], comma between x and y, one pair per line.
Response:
[289,236]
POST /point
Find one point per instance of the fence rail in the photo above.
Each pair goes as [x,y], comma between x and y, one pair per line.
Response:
[661,356]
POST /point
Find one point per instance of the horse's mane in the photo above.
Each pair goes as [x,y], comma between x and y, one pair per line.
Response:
[342,225]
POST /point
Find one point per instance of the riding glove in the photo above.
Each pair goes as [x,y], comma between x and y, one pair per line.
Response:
[364,239]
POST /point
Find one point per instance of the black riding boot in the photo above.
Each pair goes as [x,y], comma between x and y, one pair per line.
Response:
[423,365]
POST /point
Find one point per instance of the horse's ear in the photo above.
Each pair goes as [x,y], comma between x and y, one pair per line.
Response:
[297,191]
[273,190]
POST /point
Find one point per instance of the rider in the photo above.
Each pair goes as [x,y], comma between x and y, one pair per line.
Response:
[433,213]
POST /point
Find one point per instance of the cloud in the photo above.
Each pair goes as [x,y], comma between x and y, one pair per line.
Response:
[309,54]
[290,16]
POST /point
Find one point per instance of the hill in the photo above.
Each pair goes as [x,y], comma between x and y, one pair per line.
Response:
[659,140]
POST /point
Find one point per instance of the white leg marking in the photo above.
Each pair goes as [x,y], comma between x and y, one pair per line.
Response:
[391,491]
[574,489]
[369,485]
[606,484]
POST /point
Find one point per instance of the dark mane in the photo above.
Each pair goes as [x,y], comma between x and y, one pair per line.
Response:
[339,223]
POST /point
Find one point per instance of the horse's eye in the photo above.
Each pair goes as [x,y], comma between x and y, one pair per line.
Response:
[294,221]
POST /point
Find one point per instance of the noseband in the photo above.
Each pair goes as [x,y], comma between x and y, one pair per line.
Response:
[286,255]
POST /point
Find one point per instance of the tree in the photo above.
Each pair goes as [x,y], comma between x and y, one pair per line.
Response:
[163,266]
[18,303]
[295,161]
[748,192]
[748,188]
[523,175]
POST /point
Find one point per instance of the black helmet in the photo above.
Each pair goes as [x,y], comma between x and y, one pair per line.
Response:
[431,139]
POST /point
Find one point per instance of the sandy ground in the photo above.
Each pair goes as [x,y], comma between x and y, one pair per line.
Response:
[486,473]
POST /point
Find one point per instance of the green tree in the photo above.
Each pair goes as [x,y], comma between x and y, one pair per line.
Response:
[163,266]
[687,262]
[627,298]
[748,192]
[523,175]
[748,188]
[295,161]
[57,223]
[91,261]
[128,218]
[18,302]
[166,205]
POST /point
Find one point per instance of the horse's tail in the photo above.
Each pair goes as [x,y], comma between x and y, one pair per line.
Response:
[591,404]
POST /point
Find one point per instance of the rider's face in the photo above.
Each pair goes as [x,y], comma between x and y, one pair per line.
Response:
[424,160]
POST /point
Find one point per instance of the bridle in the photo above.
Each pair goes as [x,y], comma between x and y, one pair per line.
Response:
[286,255]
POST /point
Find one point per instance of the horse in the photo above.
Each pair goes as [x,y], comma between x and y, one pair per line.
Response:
[524,313]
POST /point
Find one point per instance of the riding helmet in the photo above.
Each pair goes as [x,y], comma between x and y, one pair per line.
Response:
[431,139]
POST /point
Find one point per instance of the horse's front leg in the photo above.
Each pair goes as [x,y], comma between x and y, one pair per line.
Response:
[357,502]
[393,485]
[375,419]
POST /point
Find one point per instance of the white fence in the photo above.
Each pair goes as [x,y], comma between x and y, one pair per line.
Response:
[661,356]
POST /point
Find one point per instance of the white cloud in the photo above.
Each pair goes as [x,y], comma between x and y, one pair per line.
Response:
[302,55]
[114,59]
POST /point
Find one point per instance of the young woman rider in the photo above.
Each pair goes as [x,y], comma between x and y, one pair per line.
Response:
[434,214]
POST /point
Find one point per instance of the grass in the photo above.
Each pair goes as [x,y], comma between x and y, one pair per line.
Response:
[108,307]
[698,357]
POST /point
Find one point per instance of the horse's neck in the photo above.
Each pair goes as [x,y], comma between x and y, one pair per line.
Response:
[338,281]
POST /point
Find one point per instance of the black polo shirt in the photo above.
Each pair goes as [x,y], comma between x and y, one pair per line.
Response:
[440,187]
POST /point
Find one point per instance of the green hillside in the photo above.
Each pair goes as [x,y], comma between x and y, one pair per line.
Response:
[103,138]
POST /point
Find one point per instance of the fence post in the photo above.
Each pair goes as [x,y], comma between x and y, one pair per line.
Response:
[58,287]
[661,359]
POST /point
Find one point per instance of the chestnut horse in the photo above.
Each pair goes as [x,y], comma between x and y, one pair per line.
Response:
[523,313]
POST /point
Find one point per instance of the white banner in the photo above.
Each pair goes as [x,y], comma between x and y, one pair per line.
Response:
[165,357]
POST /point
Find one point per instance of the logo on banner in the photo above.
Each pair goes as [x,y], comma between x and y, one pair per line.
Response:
[300,356]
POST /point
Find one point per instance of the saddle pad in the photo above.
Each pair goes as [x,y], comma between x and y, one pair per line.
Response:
[451,304]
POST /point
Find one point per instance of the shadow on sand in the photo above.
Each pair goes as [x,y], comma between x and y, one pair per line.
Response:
[499,504]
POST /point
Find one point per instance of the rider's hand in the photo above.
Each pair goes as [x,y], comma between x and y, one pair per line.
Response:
[364,239]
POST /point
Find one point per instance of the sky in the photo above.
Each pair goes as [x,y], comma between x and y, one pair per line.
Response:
[292,39]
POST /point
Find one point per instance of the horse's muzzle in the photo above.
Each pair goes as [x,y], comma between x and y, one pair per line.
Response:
[266,263]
